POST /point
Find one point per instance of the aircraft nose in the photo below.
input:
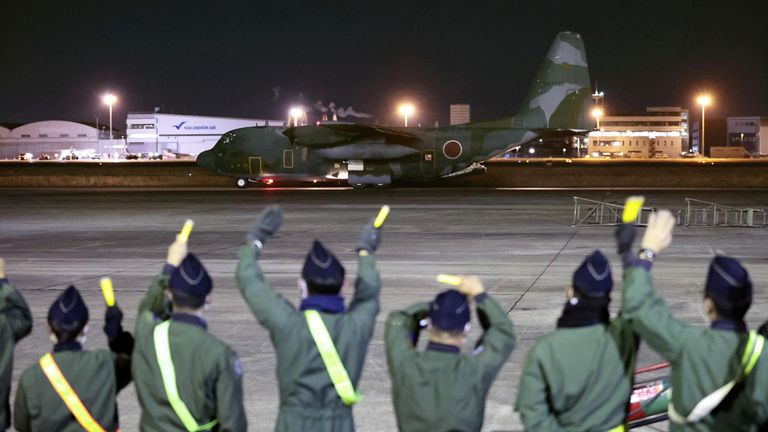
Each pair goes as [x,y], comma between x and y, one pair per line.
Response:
[207,160]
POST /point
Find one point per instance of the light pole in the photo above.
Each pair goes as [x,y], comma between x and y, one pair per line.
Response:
[406,110]
[703,100]
[110,100]
[597,112]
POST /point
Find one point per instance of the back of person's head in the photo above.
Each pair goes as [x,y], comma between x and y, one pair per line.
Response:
[322,272]
[449,313]
[190,283]
[729,287]
[68,315]
[592,278]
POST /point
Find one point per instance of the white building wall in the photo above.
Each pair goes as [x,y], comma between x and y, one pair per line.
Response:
[49,137]
[177,133]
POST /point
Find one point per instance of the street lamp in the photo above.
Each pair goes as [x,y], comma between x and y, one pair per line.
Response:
[296,113]
[110,100]
[597,112]
[406,110]
[703,100]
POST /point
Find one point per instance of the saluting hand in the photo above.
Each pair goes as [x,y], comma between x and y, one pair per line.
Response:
[177,251]
[267,225]
[470,286]
[658,235]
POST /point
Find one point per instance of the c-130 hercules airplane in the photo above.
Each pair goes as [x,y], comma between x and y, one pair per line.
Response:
[557,106]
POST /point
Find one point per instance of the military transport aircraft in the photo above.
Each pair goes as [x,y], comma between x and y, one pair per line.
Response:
[363,155]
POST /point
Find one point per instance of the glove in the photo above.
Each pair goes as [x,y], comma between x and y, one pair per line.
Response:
[113,319]
[370,238]
[625,236]
[658,235]
[267,224]
[177,251]
[470,286]
[2,268]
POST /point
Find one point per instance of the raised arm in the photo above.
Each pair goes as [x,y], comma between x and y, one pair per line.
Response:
[269,308]
[154,307]
[13,308]
[365,302]
[401,333]
[120,343]
[498,339]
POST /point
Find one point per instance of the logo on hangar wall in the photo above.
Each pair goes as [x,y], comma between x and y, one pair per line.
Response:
[452,149]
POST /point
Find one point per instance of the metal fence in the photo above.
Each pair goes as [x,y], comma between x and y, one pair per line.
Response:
[704,213]
[587,212]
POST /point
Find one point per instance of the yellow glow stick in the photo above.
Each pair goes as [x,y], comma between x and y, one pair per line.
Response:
[381,217]
[109,293]
[632,208]
[449,279]
[186,230]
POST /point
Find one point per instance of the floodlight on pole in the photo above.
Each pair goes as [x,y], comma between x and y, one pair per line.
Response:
[406,110]
[597,112]
[110,100]
[703,100]
[295,114]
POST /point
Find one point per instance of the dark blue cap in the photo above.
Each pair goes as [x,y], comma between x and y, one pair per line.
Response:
[323,273]
[593,277]
[728,280]
[191,279]
[69,312]
[449,311]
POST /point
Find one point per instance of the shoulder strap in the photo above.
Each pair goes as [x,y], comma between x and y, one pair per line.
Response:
[333,364]
[168,372]
[752,352]
[67,394]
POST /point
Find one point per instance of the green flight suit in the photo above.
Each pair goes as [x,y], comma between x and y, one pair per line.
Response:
[578,378]
[15,324]
[96,377]
[702,360]
[308,399]
[445,391]
[208,372]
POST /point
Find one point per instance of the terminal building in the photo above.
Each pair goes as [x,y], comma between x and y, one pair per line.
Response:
[176,133]
[749,133]
[662,132]
[53,138]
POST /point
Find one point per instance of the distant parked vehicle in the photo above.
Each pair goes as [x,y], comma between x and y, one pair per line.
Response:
[44,157]
[131,156]
[25,156]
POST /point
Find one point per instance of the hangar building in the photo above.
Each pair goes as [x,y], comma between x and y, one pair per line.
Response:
[53,137]
[661,132]
[177,133]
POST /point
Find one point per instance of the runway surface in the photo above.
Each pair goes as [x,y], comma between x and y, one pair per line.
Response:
[519,242]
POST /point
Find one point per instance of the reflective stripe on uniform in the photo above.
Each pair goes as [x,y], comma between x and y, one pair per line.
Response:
[168,372]
[619,428]
[68,395]
[752,352]
[333,364]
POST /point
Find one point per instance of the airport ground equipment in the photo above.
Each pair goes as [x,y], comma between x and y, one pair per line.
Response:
[649,400]
[705,213]
[587,212]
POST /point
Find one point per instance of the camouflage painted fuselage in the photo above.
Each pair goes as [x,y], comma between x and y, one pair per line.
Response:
[557,103]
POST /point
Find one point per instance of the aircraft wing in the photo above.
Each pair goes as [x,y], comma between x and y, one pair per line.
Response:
[334,134]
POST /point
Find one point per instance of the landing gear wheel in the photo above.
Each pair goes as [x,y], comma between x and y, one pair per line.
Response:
[381,185]
[359,185]
[241,183]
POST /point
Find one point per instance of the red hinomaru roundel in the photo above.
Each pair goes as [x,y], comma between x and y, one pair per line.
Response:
[452,149]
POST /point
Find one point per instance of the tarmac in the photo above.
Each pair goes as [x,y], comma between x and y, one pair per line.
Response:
[520,242]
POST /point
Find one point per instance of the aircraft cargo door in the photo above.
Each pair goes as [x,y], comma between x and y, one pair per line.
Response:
[254,165]
[428,163]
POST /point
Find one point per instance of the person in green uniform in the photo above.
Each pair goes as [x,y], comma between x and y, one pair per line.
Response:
[309,400]
[95,376]
[208,374]
[15,324]
[719,374]
[579,377]
[441,389]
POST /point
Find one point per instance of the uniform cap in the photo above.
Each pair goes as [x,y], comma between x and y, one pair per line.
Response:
[593,277]
[449,311]
[68,312]
[191,279]
[728,280]
[323,273]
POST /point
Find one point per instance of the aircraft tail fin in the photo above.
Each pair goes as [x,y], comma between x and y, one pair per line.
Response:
[559,97]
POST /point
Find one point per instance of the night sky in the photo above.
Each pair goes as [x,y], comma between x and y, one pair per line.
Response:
[254,59]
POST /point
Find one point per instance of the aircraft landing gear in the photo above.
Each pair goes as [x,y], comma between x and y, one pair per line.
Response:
[241,183]
[359,185]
